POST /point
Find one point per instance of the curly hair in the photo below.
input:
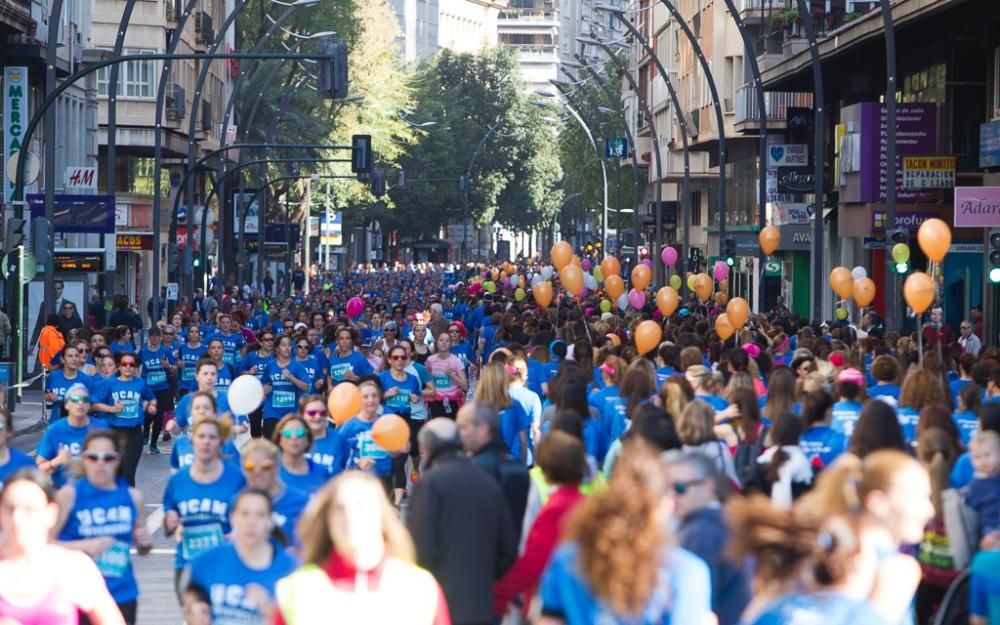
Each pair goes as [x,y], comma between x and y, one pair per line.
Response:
[621,534]
[922,388]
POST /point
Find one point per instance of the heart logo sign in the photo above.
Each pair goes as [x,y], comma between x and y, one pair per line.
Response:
[777,152]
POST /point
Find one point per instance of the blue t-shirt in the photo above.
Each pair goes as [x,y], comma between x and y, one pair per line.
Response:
[225,577]
[190,357]
[353,362]
[536,375]
[955,387]
[824,443]
[286,510]
[908,417]
[61,434]
[284,395]
[17,460]
[717,403]
[513,421]
[182,452]
[829,608]
[845,417]
[231,345]
[324,450]
[314,371]
[203,510]
[152,367]
[307,484]
[182,412]
[226,376]
[400,402]
[57,383]
[879,390]
[682,593]
[967,423]
[962,471]
[118,348]
[614,417]
[97,513]
[130,395]
[984,586]
[356,443]
[983,496]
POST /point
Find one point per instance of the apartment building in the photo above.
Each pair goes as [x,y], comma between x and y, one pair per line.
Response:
[427,26]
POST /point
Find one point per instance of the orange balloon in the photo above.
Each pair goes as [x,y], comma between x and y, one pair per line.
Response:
[842,282]
[561,254]
[703,286]
[647,336]
[724,327]
[738,312]
[614,339]
[610,267]
[576,260]
[641,277]
[614,285]
[571,277]
[770,239]
[344,402]
[520,282]
[918,290]
[863,291]
[391,432]
[934,237]
[494,274]
[721,298]
[667,300]
[543,293]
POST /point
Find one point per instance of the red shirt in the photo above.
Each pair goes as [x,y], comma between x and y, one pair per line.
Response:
[524,574]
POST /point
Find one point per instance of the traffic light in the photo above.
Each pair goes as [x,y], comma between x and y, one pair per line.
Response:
[196,259]
[729,250]
[172,258]
[994,256]
[898,242]
[333,70]
[43,239]
[13,235]
[362,158]
[378,182]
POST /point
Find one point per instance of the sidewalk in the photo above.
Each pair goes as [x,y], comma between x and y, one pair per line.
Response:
[28,418]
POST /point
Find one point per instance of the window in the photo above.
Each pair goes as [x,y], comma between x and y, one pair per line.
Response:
[135,78]
[996,83]
[140,177]
[695,208]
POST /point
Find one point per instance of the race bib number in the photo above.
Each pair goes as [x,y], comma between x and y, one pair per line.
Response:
[442,381]
[114,562]
[338,372]
[228,357]
[199,539]
[369,448]
[400,400]
[283,399]
[156,377]
[130,410]
[188,373]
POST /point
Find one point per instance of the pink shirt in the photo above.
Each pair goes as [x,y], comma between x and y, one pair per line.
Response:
[443,383]
[76,589]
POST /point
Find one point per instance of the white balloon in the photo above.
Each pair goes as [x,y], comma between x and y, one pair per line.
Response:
[535,279]
[859,272]
[622,301]
[589,281]
[245,395]
[547,272]
[513,279]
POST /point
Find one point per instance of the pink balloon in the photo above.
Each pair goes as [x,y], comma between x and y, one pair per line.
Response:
[586,264]
[669,256]
[647,262]
[637,299]
[721,270]
[657,315]
[355,307]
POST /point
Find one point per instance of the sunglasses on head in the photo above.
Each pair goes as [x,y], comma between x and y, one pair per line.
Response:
[251,466]
[294,433]
[101,456]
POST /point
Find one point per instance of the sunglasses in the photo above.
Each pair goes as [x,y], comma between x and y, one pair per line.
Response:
[251,466]
[680,488]
[301,347]
[267,339]
[79,399]
[101,456]
[294,433]
[316,413]
[397,357]
[127,364]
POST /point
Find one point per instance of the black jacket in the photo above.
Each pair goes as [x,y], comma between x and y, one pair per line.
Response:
[510,474]
[463,533]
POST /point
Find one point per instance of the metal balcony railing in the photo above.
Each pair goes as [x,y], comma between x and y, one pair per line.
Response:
[776,103]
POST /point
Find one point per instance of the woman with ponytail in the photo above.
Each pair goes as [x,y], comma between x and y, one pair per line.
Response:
[936,450]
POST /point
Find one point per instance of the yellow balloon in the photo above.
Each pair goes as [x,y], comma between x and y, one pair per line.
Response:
[675,282]
[690,281]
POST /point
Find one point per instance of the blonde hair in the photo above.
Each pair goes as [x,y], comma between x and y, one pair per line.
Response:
[261,446]
[223,425]
[845,484]
[314,529]
[696,424]
[492,387]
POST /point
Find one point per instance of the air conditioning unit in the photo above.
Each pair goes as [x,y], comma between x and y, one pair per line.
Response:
[206,37]
[202,21]
[174,102]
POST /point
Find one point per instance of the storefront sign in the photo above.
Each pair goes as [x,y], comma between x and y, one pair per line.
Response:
[81,179]
[907,220]
[977,207]
[928,172]
[134,242]
[796,180]
[787,155]
[989,144]
[772,268]
[791,213]
[15,118]
[795,238]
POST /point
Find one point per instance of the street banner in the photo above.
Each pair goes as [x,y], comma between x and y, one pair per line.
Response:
[15,119]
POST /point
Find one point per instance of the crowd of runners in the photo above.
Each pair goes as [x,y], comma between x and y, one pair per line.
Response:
[562,461]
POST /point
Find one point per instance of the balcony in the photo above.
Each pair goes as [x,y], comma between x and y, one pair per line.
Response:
[536,17]
[535,53]
[776,105]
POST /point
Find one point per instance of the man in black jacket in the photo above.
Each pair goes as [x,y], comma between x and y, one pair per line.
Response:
[461,525]
[479,426]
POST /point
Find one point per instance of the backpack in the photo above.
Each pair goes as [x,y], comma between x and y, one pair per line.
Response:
[750,472]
